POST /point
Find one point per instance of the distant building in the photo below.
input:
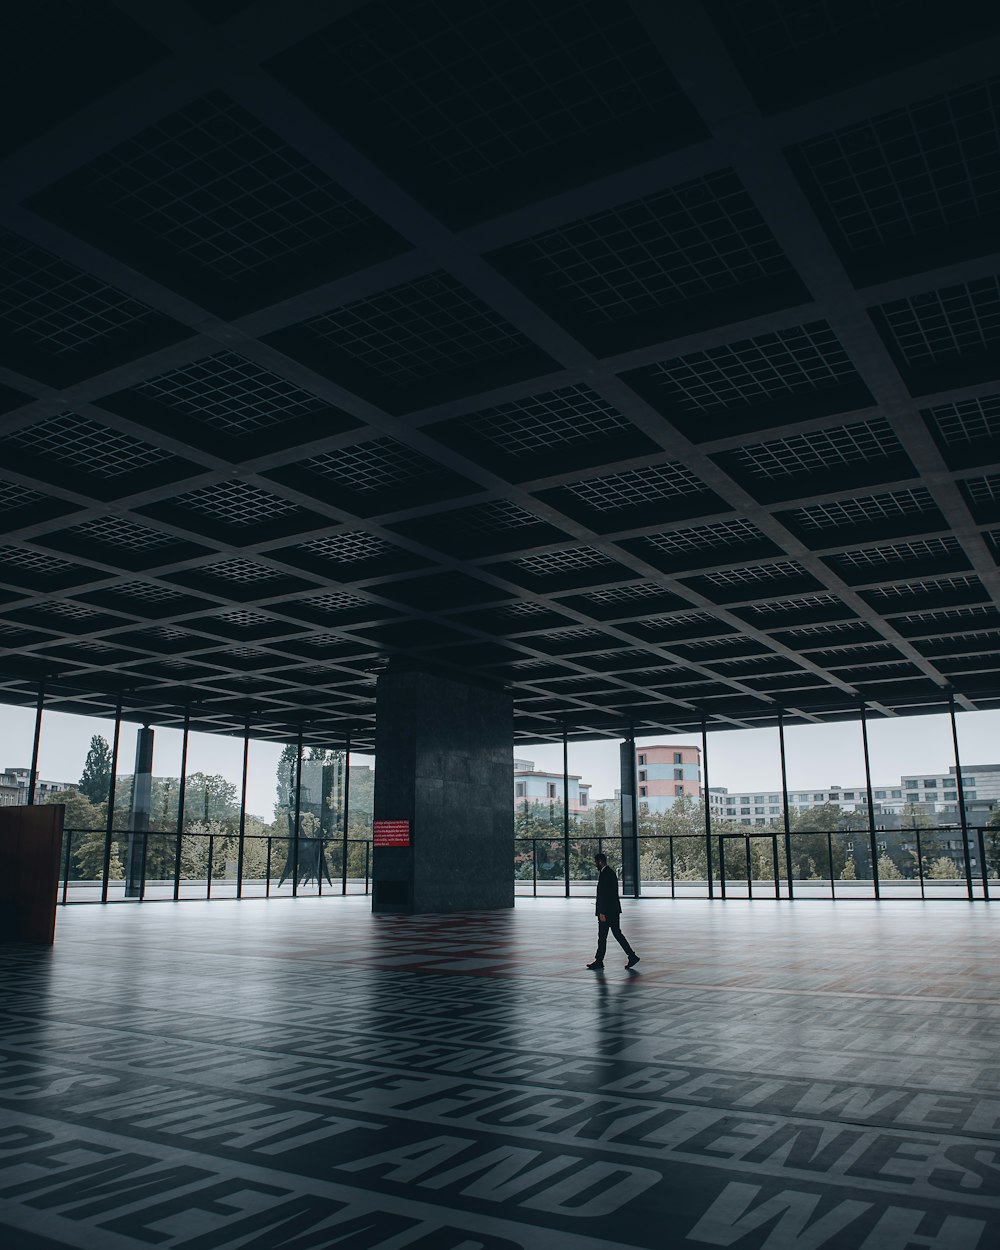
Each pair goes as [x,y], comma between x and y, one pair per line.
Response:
[762,808]
[936,794]
[667,772]
[980,782]
[15,782]
[533,785]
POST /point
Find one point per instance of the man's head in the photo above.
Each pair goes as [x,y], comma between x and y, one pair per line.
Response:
[601,860]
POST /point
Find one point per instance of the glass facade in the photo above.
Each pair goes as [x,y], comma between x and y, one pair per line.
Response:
[223,817]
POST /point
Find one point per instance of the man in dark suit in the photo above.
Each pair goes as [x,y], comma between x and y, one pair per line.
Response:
[609,910]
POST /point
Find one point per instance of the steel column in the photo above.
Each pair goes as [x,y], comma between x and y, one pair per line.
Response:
[708,808]
[138,824]
[181,796]
[36,742]
[784,805]
[565,810]
[298,814]
[631,884]
[111,802]
[243,809]
[347,790]
[872,845]
[961,799]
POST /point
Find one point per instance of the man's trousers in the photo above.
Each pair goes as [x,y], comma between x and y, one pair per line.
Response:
[614,924]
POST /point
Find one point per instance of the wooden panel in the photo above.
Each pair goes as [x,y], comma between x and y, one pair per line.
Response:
[30,845]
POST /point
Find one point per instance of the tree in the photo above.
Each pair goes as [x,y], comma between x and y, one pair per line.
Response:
[991,844]
[208,797]
[684,821]
[95,781]
[933,839]
[942,869]
[85,822]
[81,813]
[811,852]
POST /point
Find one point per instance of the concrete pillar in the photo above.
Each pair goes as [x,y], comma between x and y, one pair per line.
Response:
[443,763]
[138,823]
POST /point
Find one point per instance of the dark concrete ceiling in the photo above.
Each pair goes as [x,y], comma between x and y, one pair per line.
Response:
[640,357]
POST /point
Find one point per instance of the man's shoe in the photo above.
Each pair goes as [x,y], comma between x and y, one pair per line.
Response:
[633,959]
[595,965]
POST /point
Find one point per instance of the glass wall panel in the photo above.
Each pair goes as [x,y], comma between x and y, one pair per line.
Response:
[259,857]
[73,770]
[917,822]
[321,821]
[361,810]
[121,817]
[828,808]
[160,850]
[538,813]
[283,841]
[669,779]
[745,799]
[594,815]
[979,748]
[210,845]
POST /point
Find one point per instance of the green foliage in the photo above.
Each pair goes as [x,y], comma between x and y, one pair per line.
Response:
[87,850]
[88,858]
[321,812]
[887,870]
[81,813]
[941,869]
[96,776]
[362,803]
[210,797]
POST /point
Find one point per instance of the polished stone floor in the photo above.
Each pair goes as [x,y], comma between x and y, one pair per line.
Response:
[296,1075]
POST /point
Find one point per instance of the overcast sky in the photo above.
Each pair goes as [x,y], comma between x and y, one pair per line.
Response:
[66,739]
[818,755]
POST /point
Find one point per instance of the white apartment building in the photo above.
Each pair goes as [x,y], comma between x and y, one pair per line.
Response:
[937,793]
[980,782]
[762,808]
[14,784]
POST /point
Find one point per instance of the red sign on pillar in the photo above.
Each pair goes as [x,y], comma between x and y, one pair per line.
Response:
[391,833]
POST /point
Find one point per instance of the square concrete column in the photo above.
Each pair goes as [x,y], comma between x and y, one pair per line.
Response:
[443,762]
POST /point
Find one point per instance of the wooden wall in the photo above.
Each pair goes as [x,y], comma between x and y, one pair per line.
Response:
[30,845]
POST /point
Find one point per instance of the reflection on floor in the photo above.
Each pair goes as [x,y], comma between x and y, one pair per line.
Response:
[302,1075]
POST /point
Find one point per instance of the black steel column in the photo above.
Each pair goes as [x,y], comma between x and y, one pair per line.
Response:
[566,809]
[181,794]
[138,824]
[243,809]
[961,799]
[298,814]
[784,805]
[631,884]
[347,786]
[111,802]
[708,809]
[872,843]
[36,742]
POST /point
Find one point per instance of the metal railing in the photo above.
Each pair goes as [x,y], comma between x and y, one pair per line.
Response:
[908,863]
[168,865]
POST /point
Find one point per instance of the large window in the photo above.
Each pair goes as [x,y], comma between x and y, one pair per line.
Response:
[828,836]
[747,763]
[917,848]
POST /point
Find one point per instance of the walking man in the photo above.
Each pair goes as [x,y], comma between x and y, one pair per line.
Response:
[609,910]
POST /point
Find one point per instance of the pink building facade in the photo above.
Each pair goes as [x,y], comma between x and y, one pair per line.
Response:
[667,772]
